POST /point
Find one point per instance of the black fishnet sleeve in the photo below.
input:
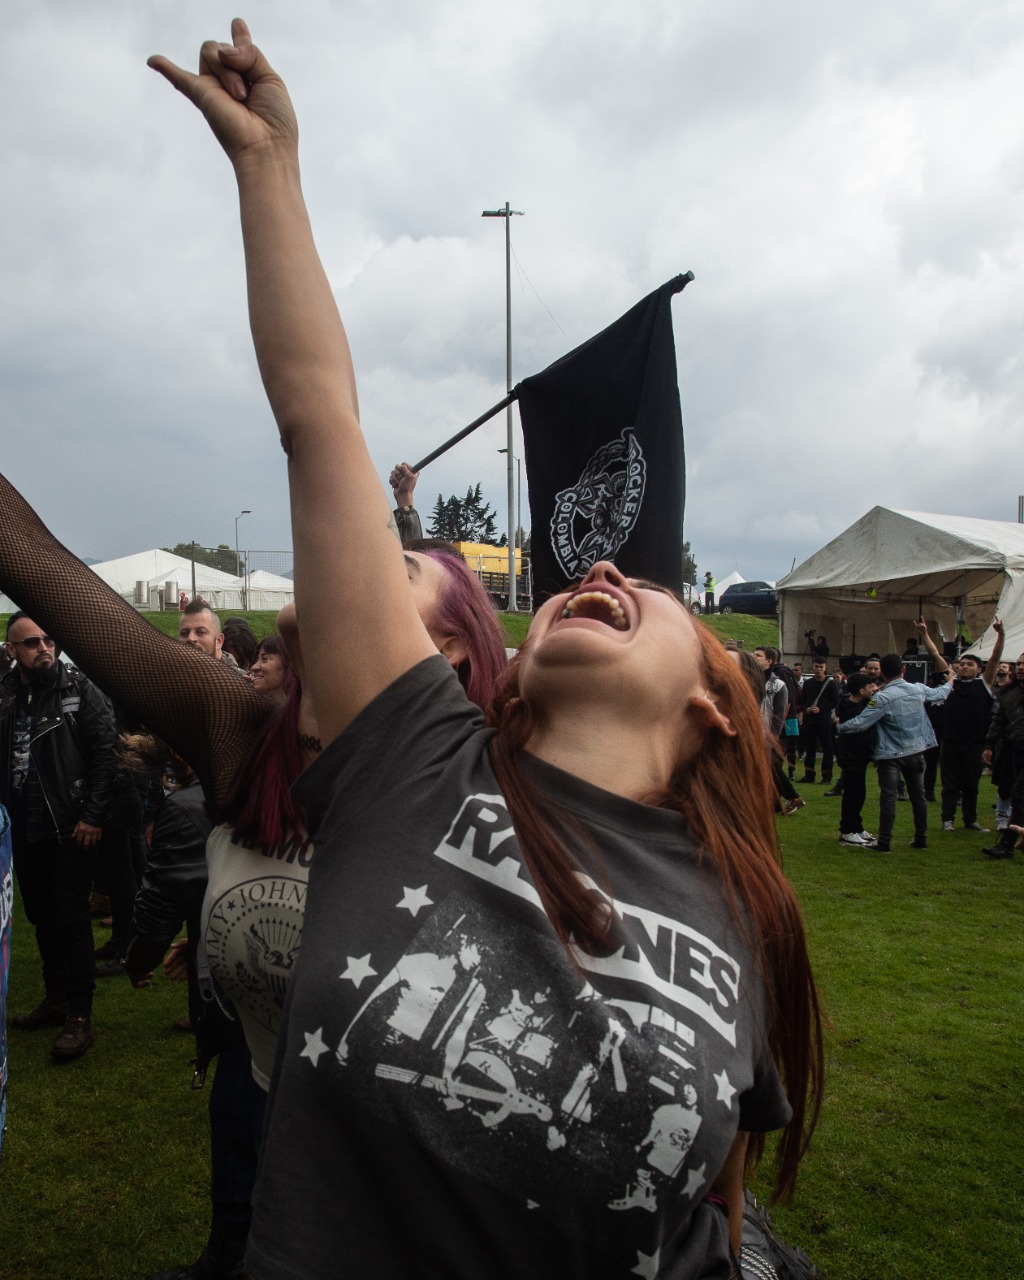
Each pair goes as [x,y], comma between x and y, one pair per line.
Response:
[207,714]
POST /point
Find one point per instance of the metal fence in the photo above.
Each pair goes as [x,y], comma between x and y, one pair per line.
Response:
[262,580]
[265,582]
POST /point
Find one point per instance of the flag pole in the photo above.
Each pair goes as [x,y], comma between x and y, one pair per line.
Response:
[461,435]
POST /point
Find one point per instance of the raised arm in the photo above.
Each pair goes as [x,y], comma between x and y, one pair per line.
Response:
[351,581]
[197,706]
[922,630]
[992,666]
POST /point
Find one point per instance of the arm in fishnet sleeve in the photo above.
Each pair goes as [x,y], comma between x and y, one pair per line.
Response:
[207,714]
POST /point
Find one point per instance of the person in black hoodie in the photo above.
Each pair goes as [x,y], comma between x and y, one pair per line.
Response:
[855,751]
[965,721]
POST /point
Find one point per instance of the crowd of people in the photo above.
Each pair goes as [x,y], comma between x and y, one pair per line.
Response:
[496,959]
[962,720]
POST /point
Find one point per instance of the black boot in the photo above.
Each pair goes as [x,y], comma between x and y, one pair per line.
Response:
[1003,848]
[222,1259]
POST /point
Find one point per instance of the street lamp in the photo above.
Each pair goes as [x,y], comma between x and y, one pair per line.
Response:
[508,213]
[519,496]
[246,512]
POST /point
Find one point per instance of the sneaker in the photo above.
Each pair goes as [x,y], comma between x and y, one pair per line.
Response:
[834,791]
[111,968]
[867,835]
[975,826]
[110,950]
[853,837]
[75,1039]
[919,842]
[948,826]
[791,806]
[877,845]
[48,1013]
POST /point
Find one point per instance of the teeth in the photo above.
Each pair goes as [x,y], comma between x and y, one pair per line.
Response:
[598,605]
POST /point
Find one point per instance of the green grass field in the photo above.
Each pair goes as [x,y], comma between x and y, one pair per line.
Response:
[264,622]
[748,630]
[915,1172]
[916,1169]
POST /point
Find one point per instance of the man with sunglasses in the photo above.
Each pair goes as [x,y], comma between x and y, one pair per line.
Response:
[57,764]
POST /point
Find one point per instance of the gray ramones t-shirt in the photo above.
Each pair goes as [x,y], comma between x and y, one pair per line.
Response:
[452,1097]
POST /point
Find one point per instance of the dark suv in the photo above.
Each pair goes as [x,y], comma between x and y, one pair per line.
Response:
[749,597]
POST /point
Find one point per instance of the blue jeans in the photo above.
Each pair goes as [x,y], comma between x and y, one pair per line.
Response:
[911,768]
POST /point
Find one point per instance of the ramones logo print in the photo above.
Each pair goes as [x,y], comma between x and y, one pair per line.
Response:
[252,940]
[594,517]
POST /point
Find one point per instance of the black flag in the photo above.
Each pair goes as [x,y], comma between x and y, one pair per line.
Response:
[604,453]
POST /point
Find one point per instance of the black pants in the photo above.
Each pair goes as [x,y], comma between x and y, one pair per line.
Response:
[911,769]
[237,1104]
[817,732]
[854,791]
[55,878]
[931,769]
[783,786]
[961,773]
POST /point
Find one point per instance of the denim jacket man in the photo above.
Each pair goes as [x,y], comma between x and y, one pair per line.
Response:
[904,733]
[903,729]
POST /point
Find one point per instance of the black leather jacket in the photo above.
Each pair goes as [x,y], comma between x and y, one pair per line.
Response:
[172,891]
[174,880]
[74,745]
[1006,728]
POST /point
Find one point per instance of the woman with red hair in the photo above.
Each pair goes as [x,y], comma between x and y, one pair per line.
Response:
[551,976]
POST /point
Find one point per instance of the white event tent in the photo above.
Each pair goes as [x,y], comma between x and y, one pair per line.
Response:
[162,571]
[864,590]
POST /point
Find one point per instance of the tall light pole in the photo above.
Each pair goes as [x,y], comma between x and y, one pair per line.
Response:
[246,512]
[519,496]
[508,213]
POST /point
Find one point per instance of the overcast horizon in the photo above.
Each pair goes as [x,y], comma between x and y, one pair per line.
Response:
[846,183]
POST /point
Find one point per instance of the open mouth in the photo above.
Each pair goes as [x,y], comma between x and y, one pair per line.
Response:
[598,606]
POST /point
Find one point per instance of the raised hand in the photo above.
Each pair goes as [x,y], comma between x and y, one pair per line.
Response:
[243,99]
[403,482]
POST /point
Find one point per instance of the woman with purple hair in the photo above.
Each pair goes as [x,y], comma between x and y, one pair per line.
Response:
[247,742]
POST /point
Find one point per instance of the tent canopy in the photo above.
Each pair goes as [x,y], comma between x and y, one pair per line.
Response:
[865,588]
[156,568]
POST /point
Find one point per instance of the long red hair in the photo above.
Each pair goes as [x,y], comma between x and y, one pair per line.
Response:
[726,795]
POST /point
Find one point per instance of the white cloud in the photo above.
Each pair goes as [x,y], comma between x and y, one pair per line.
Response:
[846,184]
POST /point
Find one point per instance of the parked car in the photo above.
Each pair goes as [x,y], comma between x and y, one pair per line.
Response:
[749,597]
[691,597]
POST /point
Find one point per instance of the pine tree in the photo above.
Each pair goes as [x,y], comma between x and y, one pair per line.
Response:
[467,519]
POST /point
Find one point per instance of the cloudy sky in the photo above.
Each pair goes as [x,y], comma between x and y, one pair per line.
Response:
[845,181]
